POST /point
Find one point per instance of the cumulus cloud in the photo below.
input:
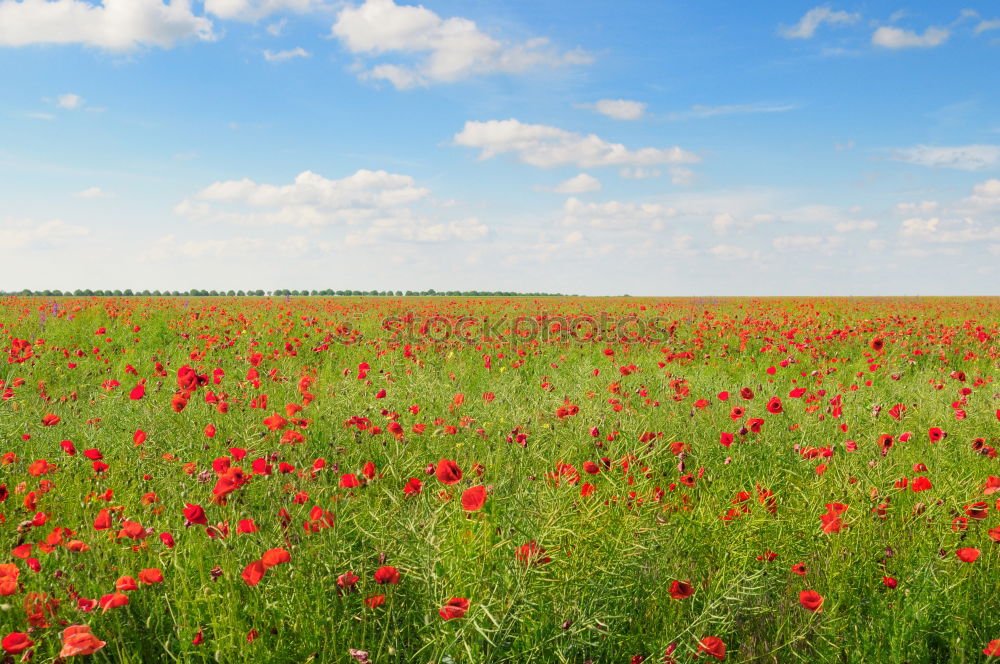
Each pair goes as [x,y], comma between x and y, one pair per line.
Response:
[28,234]
[377,203]
[616,215]
[419,230]
[282,56]
[113,25]
[807,25]
[253,10]
[806,243]
[619,109]
[311,200]
[892,37]
[69,101]
[169,248]
[436,50]
[92,192]
[729,252]
[545,146]
[579,184]
[862,225]
[962,157]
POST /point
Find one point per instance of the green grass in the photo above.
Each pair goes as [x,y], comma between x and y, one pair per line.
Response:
[605,594]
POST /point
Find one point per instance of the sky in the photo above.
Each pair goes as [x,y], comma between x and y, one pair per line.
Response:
[639,147]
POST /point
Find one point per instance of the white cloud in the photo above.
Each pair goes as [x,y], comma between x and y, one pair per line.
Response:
[580,184]
[896,38]
[807,25]
[682,177]
[922,207]
[113,25]
[863,225]
[545,146]
[27,234]
[439,50]
[962,157]
[69,101]
[983,26]
[312,200]
[619,109]
[275,29]
[616,215]
[729,252]
[700,111]
[808,243]
[253,10]
[281,56]
[639,173]
[92,192]
[722,222]
[169,248]
[419,230]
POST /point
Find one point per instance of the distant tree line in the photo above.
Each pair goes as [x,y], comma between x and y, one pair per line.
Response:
[196,292]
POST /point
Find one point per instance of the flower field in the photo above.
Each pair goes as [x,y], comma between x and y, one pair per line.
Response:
[499,480]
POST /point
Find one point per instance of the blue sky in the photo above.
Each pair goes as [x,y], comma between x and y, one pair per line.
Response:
[653,148]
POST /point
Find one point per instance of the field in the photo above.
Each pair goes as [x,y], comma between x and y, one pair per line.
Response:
[400,480]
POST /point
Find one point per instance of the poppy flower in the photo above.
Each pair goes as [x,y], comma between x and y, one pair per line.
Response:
[811,600]
[921,484]
[16,642]
[347,580]
[150,576]
[50,420]
[774,406]
[681,590]
[375,601]
[889,582]
[967,554]
[125,583]
[77,640]
[474,498]
[275,557]
[448,472]
[713,646]
[799,568]
[112,601]
[992,649]
[387,574]
[454,608]
[530,554]
[253,573]
[195,514]
[413,487]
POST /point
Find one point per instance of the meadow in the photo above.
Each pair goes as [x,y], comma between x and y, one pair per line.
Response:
[468,480]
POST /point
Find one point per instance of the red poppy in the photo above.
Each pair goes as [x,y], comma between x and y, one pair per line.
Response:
[474,498]
[448,472]
[77,640]
[195,514]
[681,590]
[16,642]
[387,574]
[413,487]
[375,601]
[774,406]
[889,582]
[275,557]
[921,484]
[992,649]
[712,646]
[150,576]
[50,420]
[967,554]
[799,568]
[454,608]
[811,600]
[253,573]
